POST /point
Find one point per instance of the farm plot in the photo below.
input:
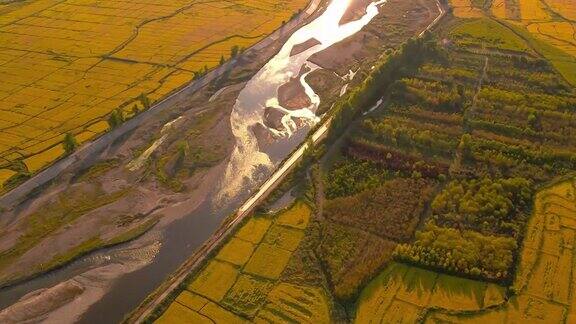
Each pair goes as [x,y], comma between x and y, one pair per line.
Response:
[547,25]
[544,285]
[488,33]
[565,8]
[241,283]
[402,294]
[465,9]
[65,65]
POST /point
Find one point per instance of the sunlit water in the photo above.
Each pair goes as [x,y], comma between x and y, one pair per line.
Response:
[249,162]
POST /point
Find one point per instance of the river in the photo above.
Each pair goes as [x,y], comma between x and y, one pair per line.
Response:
[248,167]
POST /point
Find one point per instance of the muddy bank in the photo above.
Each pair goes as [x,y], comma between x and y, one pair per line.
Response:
[355,11]
[328,85]
[35,306]
[64,302]
[292,94]
[110,198]
[398,20]
[304,46]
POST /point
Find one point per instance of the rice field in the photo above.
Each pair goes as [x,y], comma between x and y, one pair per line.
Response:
[268,261]
[215,280]
[465,9]
[295,216]
[559,34]
[243,281]
[553,23]
[533,10]
[487,33]
[403,294]
[566,8]
[548,25]
[65,65]
[237,251]
[545,283]
[295,304]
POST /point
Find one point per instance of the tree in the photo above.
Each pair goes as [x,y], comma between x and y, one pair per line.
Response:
[222,60]
[144,100]
[534,121]
[135,110]
[116,118]
[234,51]
[70,144]
[465,145]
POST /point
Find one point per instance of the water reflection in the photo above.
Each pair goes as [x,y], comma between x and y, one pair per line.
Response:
[250,164]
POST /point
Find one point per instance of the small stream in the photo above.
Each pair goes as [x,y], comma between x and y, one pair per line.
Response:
[249,166]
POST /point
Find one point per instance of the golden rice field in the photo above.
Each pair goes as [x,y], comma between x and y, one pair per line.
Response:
[565,8]
[403,294]
[243,280]
[545,283]
[66,64]
[465,9]
[548,25]
[559,34]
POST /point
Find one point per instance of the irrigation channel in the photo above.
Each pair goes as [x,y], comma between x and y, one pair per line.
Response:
[248,168]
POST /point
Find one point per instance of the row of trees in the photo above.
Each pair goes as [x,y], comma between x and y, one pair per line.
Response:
[466,253]
[498,97]
[449,73]
[351,257]
[350,176]
[477,149]
[434,95]
[395,160]
[485,205]
[401,63]
[431,141]
[527,80]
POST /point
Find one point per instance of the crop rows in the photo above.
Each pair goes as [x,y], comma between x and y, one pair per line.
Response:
[493,119]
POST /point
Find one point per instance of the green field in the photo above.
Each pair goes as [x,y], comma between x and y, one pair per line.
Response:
[544,285]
